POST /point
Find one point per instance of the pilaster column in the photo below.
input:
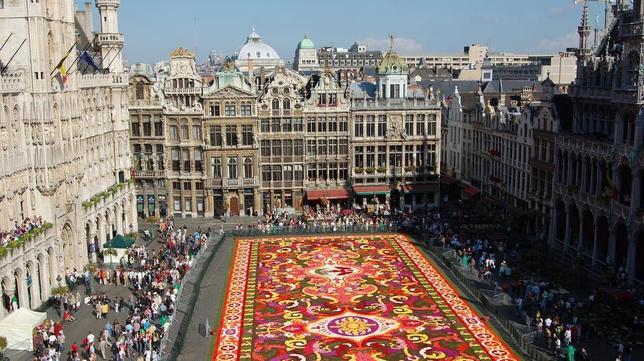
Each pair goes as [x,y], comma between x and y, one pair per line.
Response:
[568,231]
[569,178]
[612,245]
[631,256]
[91,244]
[45,279]
[635,192]
[553,226]
[118,218]
[132,209]
[593,177]
[580,239]
[619,128]
[595,241]
[582,184]
[35,292]
[101,235]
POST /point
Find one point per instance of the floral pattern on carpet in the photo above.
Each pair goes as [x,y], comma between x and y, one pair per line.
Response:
[355,298]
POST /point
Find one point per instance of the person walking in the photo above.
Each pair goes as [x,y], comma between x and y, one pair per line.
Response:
[104,347]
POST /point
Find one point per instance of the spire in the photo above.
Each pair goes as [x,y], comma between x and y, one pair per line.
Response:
[391,42]
[584,32]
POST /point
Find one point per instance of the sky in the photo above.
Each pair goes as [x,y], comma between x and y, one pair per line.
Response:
[153,28]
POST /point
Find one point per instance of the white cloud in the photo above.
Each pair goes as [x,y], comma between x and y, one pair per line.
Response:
[560,43]
[401,45]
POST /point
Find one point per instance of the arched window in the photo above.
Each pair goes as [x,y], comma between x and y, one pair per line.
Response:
[276,104]
[287,104]
[140,94]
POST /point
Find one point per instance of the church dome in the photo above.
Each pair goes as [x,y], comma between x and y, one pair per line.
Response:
[256,49]
[306,43]
[392,63]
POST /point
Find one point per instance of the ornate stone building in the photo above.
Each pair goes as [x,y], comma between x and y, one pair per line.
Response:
[64,147]
[230,148]
[326,114]
[147,139]
[597,214]
[395,140]
[281,139]
[184,135]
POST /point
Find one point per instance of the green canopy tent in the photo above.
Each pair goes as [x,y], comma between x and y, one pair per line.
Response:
[117,246]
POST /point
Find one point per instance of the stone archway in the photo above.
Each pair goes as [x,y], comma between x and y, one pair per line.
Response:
[621,244]
[639,256]
[67,238]
[602,238]
[7,291]
[625,182]
[560,217]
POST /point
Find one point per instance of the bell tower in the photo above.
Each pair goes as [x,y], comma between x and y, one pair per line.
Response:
[109,39]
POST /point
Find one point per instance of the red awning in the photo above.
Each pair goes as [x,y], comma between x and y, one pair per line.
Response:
[316,194]
[419,188]
[367,190]
[472,191]
[445,179]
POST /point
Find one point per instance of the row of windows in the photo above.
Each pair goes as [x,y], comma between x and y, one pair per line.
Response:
[231,110]
[281,125]
[182,133]
[330,171]
[232,167]
[183,83]
[286,147]
[393,156]
[187,186]
[181,160]
[419,125]
[228,133]
[322,147]
[327,124]
[278,173]
[353,62]
[147,129]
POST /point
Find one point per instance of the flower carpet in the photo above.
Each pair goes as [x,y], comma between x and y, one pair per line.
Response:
[355,298]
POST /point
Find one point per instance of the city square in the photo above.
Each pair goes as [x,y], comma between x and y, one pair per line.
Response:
[385,181]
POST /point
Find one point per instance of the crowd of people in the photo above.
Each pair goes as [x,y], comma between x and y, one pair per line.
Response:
[19,229]
[152,279]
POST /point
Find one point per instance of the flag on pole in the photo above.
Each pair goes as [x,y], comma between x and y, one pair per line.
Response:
[62,70]
[88,60]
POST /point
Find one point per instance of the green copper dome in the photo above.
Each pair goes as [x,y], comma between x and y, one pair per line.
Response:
[392,63]
[306,43]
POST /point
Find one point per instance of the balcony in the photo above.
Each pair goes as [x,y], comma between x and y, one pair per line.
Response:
[12,83]
[586,144]
[215,183]
[591,92]
[102,80]
[170,90]
[149,174]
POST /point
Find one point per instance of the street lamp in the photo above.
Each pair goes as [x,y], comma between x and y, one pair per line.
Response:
[58,279]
